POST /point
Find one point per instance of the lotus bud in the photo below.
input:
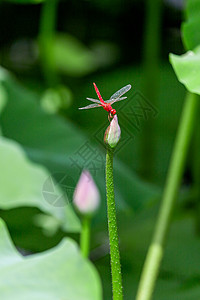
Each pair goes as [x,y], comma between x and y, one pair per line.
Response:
[113,133]
[86,195]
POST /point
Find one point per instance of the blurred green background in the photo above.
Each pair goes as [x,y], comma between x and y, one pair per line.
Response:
[50,54]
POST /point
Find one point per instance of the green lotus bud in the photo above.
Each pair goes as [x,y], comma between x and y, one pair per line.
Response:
[113,133]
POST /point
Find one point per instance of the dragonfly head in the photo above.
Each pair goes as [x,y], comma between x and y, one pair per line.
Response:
[113,111]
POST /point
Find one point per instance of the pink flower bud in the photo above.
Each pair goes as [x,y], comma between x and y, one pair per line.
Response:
[113,133]
[86,195]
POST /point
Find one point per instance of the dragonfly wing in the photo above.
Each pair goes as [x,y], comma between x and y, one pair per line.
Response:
[121,92]
[111,101]
[90,106]
[94,100]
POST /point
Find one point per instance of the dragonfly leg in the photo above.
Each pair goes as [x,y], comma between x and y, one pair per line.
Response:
[110,116]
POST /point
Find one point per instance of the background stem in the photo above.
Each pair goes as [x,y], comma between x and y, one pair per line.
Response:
[47,40]
[112,228]
[156,249]
[85,236]
[151,59]
[195,157]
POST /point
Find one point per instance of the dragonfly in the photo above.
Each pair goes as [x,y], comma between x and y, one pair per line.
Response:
[107,104]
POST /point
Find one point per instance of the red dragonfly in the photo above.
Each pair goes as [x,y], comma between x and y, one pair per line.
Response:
[107,105]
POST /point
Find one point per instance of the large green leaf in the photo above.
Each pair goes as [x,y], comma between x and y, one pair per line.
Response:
[191,28]
[22,184]
[59,273]
[54,142]
[72,57]
[187,69]
[192,8]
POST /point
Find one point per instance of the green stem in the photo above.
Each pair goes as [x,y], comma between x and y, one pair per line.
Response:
[46,40]
[85,236]
[112,228]
[152,32]
[156,249]
[196,172]
[151,60]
